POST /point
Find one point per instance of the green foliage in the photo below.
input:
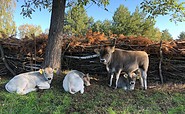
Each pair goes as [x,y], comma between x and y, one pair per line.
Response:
[154,34]
[76,21]
[81,3]
[120,20]
[104,27]
[7,25]
[137,24]
[123,22]
[29,30]
[182,35]
[166,35]
[96,27]
[174,8]
[154,8]
[30,5]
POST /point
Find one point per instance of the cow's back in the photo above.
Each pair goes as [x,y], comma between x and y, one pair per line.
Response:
[15,83]
[127,59]
[24,80]
[74,79]
[142,59]
[121,58]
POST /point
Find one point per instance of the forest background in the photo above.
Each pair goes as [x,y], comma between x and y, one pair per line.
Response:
[78,22]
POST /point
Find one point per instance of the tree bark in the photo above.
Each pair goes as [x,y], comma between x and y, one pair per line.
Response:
[54,46]
[160,62]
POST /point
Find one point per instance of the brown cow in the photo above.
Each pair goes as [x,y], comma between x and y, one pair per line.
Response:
[117,60]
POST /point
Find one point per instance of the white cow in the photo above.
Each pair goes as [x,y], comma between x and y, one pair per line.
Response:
[30,81]
[74,81]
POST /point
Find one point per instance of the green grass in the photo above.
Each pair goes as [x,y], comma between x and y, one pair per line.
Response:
[97,99]
[49,102]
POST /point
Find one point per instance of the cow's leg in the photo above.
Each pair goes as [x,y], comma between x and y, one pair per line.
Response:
[111,77]
[117,78]
[28,90]
[143,79]
[22,87]
[82,91]
[25,88]
[20,91]
[43,85]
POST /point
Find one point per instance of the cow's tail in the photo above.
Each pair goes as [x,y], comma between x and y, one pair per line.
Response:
[70,88]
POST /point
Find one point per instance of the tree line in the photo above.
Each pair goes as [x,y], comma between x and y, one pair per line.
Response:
[77,22]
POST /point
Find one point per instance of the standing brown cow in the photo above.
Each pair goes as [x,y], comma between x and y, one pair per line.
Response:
[117,60]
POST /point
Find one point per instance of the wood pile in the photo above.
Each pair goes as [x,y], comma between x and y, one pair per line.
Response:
[78,53]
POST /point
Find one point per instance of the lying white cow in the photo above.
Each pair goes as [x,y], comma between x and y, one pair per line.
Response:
[30,81]
[74,81]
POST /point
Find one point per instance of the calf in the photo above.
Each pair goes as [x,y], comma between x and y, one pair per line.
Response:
[123,82]
[74,81]
[30,81]
[117,60]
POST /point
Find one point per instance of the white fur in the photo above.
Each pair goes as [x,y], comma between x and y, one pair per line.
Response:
[27,82]
[73,82]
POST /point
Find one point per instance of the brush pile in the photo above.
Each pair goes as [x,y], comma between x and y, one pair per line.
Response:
[78,53]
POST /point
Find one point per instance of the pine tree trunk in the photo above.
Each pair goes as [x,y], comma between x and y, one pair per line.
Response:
[54,46]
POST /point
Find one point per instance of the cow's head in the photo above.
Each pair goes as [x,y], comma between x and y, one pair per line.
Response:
[105,53]
[48,73]
[86,80]
[132,79]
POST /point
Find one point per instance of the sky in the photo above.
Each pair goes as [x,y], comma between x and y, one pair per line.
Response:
[43,17]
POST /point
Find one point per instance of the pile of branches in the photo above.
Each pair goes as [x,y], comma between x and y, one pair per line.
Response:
[78,53]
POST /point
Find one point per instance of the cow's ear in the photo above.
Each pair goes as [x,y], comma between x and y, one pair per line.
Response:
[125,75]
[97,51]
[112,49]
[114,42]
[41,71]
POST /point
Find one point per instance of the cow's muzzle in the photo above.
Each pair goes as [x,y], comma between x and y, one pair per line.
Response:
[132,82]
[102,60]
[49,78]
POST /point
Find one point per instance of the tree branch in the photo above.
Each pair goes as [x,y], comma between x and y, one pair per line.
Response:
[4,60]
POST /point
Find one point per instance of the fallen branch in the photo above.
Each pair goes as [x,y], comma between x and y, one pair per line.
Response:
[4,60]
[80,58]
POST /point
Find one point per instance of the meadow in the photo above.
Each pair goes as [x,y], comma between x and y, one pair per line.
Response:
[97,99]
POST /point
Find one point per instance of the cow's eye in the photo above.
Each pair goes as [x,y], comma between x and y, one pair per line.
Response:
[107,55]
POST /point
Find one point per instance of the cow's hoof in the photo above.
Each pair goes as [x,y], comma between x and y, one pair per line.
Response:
[115,87]
[109,85]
